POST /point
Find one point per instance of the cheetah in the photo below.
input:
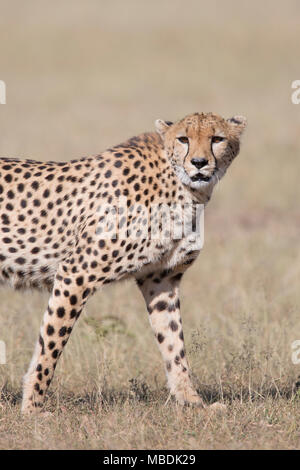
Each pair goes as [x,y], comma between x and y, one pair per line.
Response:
[64,228]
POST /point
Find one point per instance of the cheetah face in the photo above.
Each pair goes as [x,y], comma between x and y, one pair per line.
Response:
[201,146]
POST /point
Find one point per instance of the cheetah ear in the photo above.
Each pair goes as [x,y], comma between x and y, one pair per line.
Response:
[162,126]
[238,124]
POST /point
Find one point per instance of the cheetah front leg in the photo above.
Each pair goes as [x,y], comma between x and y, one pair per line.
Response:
[161,293]
[70,293]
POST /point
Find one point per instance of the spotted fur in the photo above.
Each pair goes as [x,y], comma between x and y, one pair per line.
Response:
[52,233]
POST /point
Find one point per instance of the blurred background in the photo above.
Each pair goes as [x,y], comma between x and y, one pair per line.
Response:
[82,76]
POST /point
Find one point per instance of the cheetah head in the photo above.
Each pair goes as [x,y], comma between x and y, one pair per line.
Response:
[201,146]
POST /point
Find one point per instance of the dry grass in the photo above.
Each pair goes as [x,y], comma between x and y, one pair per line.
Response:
[80,78]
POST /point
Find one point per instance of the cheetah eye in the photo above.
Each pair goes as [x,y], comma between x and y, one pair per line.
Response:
[183,140]
[216,139]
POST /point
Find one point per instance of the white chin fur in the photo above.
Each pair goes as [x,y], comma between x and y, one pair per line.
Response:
[186,180]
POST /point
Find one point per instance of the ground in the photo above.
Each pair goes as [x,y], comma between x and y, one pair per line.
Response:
[69,95]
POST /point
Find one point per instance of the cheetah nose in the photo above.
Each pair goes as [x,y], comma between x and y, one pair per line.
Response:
[199,162]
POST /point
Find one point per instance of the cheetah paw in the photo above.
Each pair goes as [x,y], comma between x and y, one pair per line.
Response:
[189,398]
